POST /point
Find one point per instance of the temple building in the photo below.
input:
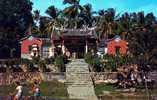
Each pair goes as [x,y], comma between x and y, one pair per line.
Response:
[74,42]
[70,42]
[35,47]
[117,45]
[112,46]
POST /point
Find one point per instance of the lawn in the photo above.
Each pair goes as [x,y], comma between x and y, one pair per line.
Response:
[52,89]
[103,87]
[109,92]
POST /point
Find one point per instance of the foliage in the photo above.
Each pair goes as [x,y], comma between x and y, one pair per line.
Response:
[15,18]
[52,12]
[93,61]
[59,62]
[88,58]
[104,87]
[42,65]
[54,89]
[30,67]
[112,62]
[35,60]
[108,62]
[24,61]
[49,60]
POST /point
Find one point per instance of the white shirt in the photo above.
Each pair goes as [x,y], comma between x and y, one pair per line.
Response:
[19,89]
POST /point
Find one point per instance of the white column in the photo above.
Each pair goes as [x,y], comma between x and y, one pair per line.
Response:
[63,49]
[86,51]
[51,51]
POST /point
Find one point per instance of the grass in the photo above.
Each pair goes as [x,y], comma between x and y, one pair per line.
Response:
[139,94]
[103,87]
[6,89]
[53,89]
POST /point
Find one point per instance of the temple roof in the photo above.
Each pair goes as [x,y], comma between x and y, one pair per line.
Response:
[90,32]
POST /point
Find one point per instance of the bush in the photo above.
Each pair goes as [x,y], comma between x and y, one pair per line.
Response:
[36,60]
[88,58]
[59,62]
[93,61]
[112,62]
[42,65]
[49,60]
[25,61]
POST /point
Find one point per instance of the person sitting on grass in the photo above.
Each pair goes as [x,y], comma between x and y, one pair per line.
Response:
[19,91]
[36,90]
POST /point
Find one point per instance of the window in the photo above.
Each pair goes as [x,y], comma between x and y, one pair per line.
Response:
[45,52]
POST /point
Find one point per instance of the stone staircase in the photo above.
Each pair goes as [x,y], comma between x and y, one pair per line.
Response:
[79,82]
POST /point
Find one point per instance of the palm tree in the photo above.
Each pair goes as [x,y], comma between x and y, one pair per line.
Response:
[86,15]
[52,12]
[123,25]
[72,12]
[35,26]
[106,22]
[71,1]
[36,15]
[55,16]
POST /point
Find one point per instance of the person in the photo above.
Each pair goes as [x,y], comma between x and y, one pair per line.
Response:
[36,90]
[19,89]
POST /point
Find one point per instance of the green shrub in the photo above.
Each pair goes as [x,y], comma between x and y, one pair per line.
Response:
[88,58]
[93,61]
[49,60]
[112,62]
[35,60]
[59,62]
[42,65]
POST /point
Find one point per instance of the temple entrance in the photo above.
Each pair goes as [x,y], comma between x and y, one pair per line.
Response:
[76,51]
[75,42]
[76,46]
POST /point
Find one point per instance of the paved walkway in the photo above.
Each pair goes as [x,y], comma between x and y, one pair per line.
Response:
[80,85]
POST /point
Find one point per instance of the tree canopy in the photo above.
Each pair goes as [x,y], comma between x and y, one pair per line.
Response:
[15,18]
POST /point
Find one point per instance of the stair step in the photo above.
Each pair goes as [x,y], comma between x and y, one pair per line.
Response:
[79,82]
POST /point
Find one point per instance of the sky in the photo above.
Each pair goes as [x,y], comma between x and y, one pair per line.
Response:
[120,6]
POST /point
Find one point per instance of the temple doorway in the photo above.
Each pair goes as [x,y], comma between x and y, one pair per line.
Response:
[76,47]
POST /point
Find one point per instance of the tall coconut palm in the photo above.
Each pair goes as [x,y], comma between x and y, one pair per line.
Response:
[54,14]
[71,1]
[123,25]
[72,12]
[107,22]
[35,26]
[87,15]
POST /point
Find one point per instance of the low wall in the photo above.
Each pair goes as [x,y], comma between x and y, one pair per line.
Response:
[9,78]
[53,76]
[104,77]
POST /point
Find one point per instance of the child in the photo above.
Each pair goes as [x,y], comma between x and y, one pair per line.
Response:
[36,90]
[19,90]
